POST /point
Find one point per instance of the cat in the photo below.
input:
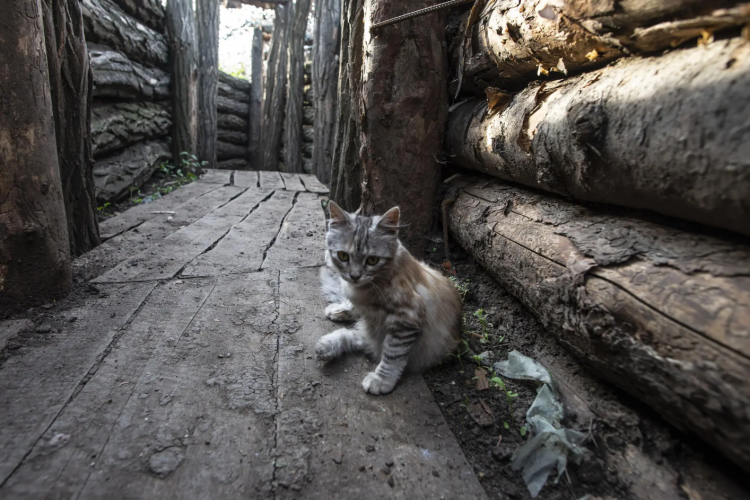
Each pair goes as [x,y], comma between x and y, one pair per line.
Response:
[408,315]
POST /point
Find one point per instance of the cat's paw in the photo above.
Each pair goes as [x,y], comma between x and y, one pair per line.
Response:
[326,348]
[377,385]
[340,313]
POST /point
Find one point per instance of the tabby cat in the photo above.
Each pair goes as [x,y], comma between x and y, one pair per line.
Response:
[408,315]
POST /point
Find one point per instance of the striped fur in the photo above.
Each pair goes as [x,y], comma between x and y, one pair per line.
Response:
[408,316]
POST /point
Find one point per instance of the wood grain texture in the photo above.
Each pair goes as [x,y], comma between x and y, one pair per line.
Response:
[115,75]
[293,135]
[292,182]
[256,99]
[270,180]
[301,239]
[184,72]
[117,125]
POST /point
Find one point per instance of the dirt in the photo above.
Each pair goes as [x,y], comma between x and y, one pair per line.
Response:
[633,453]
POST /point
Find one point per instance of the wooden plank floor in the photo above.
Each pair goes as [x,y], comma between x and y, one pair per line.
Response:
[190,372]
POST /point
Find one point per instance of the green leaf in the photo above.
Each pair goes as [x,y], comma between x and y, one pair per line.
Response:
[523,430]
[505,424]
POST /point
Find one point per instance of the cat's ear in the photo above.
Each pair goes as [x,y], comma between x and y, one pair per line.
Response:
[338,216]
[389,221]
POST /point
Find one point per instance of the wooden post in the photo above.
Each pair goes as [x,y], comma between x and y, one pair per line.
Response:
[256,100]
[295,88]
[346,168]
[325,72]
[183,55]
[71,85]
[404,106]
[34,244]
[207,17]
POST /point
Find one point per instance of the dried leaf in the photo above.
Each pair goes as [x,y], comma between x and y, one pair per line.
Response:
[542,71]
[707,36]
[496,98]
[481,413]
[480,374]
[593,55]
[447,266]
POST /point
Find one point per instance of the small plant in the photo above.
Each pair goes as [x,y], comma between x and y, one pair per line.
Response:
[463,289]
[485,326]
[523,430]
[510,396]
[191,164]
[463,348]
[477,359]
[103,209]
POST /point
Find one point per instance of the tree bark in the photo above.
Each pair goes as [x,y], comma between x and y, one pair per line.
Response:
[128,169]
[207,17]
[226,150]
[295,86]
[106,23]
[181,28]
[117,76]
[308,116]
[275,88]
[661,313]
[659,133]
[71,91]
[232,136]
[226,90]
[226,105]
[404,109]
[517,43]
[149,12]
[325,73]
[115,126]
[231,122]
[256,99]
[34,243]
[346,168]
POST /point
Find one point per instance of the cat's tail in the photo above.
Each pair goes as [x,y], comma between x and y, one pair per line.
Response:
[330,283]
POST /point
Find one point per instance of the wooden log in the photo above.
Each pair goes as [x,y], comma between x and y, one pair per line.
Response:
[71,86]
[517,42]
[308,95]
[234,164]
[308,116]
[307,149]
[295,85]
[236,83]
[256,98]
[404,110]
[307,166]
[275,89]
[117,76]
[231,122]
[184,60]
[226,150]
[661,313]
[116,175]
[346,167]
[308,133]
[232,136]
[226,105]
[34,244]
[149,12]
[325,73]
[115,126]
[230,92]
[207,23]
[106,23]
[642,133]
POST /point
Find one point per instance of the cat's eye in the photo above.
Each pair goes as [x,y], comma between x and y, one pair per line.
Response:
[371,260]
[343,256]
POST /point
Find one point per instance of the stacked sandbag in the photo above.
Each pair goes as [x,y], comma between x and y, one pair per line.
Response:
[233,109]
[131,113]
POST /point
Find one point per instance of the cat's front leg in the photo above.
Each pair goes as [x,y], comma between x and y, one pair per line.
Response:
[336,343]
[395,356]
[341,312]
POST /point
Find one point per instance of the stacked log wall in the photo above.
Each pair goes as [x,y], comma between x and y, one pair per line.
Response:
[233,105]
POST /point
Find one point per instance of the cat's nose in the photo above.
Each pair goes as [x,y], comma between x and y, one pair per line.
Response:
[355,277]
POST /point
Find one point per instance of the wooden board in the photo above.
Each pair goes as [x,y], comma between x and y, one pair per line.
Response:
[270,180]
[328,428]
[312,184]
[216,176]
[242,250]
[292,182]
[301,240]
[246,178]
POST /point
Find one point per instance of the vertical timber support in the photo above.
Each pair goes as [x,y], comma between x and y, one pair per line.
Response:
[404,107]
[346,167]
[295,88]
[207,18]
[184,65]
[256,100]
[34,244]
[325,72]
[71,89]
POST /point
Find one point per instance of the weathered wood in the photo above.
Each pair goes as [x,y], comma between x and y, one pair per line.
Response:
[215,176]
[301,240]
[207,23]
[246,178]
[517,42]
[270,180]
[661,313]
[346,168]
[236,83]
[231,122]
[114,126]
[149,12]
[325,74]
[256,99]
[71,91]
[117,76]
[275,89]
[312,184]
[308,116]
[184,66]
[115,175]
[181,247]
[226,150]
[232,163]
[641,133]
[309,95]
[106,23]
[295,85]
[226,105]
[34,243]
[226,90]
[292,182]
[308,133]
[404,111]
[406,428]
[307,164]
[307,149]
[232,136]
[244,247]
